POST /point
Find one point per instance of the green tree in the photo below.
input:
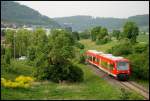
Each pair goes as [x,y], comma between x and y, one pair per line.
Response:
[75,35]
[55,64]
[116,33]
[85,34]
[131,31]
[22,42]
[94,32]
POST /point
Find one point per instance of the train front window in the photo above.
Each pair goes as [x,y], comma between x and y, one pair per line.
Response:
[122,65]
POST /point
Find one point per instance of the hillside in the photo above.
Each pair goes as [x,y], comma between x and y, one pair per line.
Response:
[80,23]
[12,12]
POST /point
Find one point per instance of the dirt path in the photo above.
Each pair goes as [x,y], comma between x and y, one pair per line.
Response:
[129,85]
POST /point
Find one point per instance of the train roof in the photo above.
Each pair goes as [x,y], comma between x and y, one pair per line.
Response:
[110,56]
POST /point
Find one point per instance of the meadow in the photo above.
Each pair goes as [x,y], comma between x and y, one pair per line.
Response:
[93,87]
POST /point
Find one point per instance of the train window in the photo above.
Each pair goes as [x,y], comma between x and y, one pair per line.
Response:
[97,60]
[104,64]
[122,65]
[94,58]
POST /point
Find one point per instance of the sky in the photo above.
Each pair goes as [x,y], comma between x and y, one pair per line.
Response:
[116,9]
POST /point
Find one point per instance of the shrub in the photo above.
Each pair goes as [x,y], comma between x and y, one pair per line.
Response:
[104,40]
[20,82]
[79,45]
[124,48]
[140,66]
[82,59]
[60,72]
[43,73]
[76,74]
[139,47]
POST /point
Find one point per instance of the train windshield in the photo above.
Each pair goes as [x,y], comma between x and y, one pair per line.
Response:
[122,65]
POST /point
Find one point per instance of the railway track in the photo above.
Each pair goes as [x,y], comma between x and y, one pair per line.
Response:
[141,91]
[130,85]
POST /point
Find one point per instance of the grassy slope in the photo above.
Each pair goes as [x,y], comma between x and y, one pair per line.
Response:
[93,87]
[90,45]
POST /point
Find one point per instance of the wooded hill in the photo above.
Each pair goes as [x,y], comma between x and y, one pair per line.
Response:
[80,23]
[13,12]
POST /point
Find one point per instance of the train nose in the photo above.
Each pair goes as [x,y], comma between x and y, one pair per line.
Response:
[123,76]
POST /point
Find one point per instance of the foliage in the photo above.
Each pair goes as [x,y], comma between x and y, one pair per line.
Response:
[121,48]
[94,32]
[140,64]
[54,64]
[93,87]
[80,23]
[104,40]
[100,35]
[79,45]
[75,35]
[20,82]
[22,42]
[76,74]
[82,59]
[124,94]
[85,34]
[140,47]
[131,31]
[116,33]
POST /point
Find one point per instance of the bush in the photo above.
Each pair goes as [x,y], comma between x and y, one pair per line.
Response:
[60,72]
[76,74]
[20,82]
[124,48]
[139,47]
[104,40]
[140,66]
[82,59]
[79,45]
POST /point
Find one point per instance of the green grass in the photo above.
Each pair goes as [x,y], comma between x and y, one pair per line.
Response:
[17,68]
[91,45]
[93,87]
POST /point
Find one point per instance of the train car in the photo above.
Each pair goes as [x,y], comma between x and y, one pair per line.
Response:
[118,67]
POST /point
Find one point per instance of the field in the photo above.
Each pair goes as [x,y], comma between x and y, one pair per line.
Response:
[93,87]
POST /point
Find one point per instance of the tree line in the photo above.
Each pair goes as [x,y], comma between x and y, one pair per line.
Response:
[51,54]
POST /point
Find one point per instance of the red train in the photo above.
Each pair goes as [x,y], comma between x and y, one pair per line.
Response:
[118,67]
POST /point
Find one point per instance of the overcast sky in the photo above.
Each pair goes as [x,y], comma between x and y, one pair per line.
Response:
[118,9]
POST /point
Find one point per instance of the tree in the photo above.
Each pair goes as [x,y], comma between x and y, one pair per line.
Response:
[94,32]
[22,42]
[9,39]
[55,64]
[85,34]
[116,33]
[131,31]
[75,35]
